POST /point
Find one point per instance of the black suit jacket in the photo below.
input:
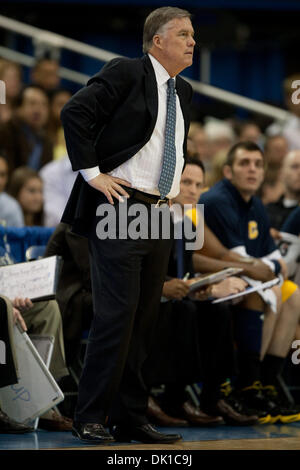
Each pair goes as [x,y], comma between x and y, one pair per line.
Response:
[109,121]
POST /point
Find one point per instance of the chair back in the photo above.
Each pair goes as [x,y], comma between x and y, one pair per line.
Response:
[35,252]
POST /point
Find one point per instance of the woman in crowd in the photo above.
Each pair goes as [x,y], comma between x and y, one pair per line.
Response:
[26,187]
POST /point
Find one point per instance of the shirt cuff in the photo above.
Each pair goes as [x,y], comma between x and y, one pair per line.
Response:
[90,173]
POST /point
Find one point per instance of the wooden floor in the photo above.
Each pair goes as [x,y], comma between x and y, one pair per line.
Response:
[262,437]
[288,443]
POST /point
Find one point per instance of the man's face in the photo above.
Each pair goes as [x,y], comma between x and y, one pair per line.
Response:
[176,44]
[291,172]
[247,171]
[46,75]
[191,185]
[35,108]
[276,151]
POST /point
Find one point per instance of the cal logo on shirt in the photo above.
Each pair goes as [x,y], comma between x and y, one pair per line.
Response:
[252,230]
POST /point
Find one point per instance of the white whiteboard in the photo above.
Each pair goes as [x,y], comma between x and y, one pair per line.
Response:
[36,391]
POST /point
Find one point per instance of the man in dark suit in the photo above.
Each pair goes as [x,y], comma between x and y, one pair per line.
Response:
[126,132]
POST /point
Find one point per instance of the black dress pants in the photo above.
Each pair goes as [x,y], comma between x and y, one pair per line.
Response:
[127,279]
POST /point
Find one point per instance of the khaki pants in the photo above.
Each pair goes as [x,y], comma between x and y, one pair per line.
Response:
[44,318]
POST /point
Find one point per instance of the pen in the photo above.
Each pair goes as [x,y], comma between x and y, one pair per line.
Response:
[187,275]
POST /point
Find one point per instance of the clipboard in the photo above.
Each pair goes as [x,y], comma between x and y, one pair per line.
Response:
[214,278]
[36,391]
[36,280]
[249,290]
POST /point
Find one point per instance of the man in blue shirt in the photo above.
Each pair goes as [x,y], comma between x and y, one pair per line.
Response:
[238,218]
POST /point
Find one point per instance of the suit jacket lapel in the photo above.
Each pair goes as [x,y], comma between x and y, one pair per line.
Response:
[185,105]
[151,93]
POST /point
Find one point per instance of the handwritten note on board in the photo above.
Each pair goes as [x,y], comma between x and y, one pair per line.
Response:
[35,279]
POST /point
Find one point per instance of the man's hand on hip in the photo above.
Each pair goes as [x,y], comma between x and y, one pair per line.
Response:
[110,186]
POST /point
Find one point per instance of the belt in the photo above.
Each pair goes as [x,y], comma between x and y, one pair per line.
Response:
[145,197]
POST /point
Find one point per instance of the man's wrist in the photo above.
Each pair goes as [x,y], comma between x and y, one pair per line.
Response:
[90,173]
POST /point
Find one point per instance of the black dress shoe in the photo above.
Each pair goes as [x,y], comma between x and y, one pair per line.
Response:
[10,426]
[145,433]
[92,432]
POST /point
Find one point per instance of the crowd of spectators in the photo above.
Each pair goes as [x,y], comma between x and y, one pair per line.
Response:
[35,181]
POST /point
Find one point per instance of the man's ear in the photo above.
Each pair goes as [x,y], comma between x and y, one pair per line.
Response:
[157,41]
[227,172]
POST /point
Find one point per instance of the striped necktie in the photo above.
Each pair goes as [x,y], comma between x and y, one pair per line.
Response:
[169,155]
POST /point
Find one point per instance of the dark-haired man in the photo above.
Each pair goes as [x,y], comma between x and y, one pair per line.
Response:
[126,132]
[238,218]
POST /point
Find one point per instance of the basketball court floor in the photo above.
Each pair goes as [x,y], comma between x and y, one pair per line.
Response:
[260,437]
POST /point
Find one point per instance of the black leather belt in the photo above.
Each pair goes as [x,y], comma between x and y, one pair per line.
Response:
[145,197]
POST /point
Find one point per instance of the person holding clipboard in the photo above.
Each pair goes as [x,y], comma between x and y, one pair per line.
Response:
[193,339]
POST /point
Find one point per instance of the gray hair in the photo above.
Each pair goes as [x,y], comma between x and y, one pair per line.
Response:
[156,21]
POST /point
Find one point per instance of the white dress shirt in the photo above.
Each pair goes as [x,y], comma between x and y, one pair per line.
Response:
[144,168]
[58,179]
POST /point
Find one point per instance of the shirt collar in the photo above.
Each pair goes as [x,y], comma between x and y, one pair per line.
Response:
[161,74]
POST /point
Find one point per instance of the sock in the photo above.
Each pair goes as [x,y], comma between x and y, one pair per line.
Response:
[249,366]
[210,395]
[174,397]
[248,326]
[271,367]
[248,335]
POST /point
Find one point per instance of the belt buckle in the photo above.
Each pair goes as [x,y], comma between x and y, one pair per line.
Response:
[160,202]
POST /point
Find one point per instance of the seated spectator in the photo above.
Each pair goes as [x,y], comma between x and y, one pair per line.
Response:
[216,173]
[11,213]
[250,131]
[58,179]
[44,73]
[239,220]
[74,290]
[8,371]
[26,186]
[24,136]
[220,136]
[44,318]
[292,223]
[199,141]
[276,149]
[11,75]
[279,210]
[185,333]
[58,99]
